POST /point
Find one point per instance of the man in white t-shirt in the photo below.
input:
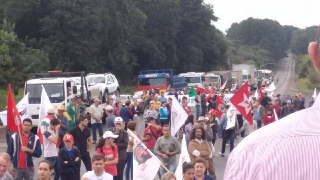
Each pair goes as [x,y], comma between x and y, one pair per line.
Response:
[50,144]
[96,112]
[98,172]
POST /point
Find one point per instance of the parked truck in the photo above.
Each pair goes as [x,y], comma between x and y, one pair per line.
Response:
[236,78]
[218,78]
[248,73]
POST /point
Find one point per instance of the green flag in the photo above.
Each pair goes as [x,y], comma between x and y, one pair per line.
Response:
[192,92]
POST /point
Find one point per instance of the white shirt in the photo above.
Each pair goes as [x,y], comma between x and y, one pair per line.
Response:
[92,176]
[50,148]
[97,111]
[285,149]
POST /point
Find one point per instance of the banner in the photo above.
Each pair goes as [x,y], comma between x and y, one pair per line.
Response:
[13,116]
[184,157]
[145,163]
[178,116]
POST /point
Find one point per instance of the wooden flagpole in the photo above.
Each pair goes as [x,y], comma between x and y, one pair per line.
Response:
[17,122]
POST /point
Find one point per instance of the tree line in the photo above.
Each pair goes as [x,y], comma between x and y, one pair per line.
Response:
[124,37]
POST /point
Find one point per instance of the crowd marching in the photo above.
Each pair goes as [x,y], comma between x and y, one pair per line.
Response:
[67,135]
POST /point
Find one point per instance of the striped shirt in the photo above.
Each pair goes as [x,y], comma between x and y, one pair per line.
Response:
[286,149]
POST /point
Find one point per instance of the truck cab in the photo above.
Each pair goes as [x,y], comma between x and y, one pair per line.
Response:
[194,78]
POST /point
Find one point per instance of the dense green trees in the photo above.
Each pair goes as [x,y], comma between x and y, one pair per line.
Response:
[122,37]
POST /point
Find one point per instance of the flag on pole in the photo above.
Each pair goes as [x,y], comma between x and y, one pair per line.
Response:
[145,163]
[210,94]
[219,105]
[21,106]
[178,116]
[45,105]
[184,157]
[13,116]
[192,92]
[275,115]
[271,87]
[314,93]
[201,90]
[241,101]
[224,84]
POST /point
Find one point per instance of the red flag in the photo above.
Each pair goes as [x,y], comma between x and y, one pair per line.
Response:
[210,95]
[260,94]
[219,105]
[201,90]
[13,116]
[241,101]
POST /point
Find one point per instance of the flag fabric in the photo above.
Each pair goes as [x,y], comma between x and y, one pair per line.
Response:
[234,87]
[13,116]
[178,116]
[219,105]
[241,101]
[271,87]
[256,94]
[275,115]
[314,93]
[21,106]
[192,92]
[224,84]
[145,163]
[43,121]
[201,90]
[210,94]
[184,157]
[260,94]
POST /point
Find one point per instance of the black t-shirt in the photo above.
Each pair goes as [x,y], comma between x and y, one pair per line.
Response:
[81,138]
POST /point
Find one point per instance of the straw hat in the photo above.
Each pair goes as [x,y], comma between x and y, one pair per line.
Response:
[61,108]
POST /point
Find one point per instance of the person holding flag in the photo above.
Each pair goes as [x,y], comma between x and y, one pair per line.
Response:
[22,150]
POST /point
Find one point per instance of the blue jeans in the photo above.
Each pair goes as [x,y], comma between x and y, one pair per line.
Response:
[56,166]
[171,168]
[129,166]
[94,128]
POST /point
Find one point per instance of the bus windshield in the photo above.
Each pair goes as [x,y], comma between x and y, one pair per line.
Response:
[153,82]
[193,79]
[212,79]
[54,91]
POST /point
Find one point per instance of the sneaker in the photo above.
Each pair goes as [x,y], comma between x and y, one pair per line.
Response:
[221,154]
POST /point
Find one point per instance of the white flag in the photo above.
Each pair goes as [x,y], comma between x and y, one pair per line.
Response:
[184,157]
[256,94]
[271,87]
[45,105]
[224,84]
[145,163]
[275,115]
[317,101]
[178,116]
[22,105]
[314,93]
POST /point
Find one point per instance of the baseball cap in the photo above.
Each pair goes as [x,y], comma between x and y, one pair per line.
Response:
[108,134]
[201,118]
[118,120]
[68,137]
[109,108]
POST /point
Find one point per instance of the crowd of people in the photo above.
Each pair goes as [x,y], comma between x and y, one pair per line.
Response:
[68,135]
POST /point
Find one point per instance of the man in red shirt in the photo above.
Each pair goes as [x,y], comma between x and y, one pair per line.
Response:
[276,106]
[22,151]
[151,133]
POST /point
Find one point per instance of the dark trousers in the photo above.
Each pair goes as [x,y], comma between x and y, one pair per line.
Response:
[71,176]
[86,159]
[129,166]
[94,128]
[56,166]
[120,168]
[203,110]
[164,121]
[227,135]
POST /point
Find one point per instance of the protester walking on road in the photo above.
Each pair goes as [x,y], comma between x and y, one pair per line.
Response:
[96,112]
[129,166]
[83,140]
[200,170]
[73,112]
[110,117]
[69,158]
[5,164]
[187,171]
[164,113]
[203,104]
[166,148]
[22,150]
[122,145]
[109,150]
[188,127]
[98,173]
[151,133]
[50,145]
[64,123]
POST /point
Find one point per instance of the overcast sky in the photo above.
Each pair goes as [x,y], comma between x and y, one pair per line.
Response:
[299,13]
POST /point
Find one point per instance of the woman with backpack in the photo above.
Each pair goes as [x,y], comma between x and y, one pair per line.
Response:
[107,148]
